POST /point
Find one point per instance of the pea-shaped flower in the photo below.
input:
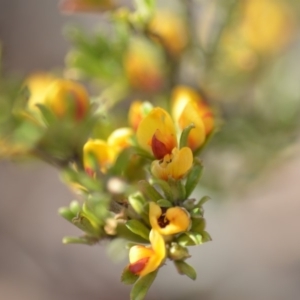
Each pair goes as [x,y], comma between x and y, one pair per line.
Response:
[187,108]
[144,260]
[168,220]
[63,97]
[156,133]
[104,152]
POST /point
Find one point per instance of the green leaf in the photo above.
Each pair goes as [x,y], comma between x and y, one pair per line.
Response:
[185,135]
[164,203]
[203,200]
[85,224]
[137,202]
[138,228]
[190,239]
[66,213]
[48,116]
[193,178]
[206,237]
[185,269]
[184,240]
[198,225]
[123,232]
[75,207]
[178,189]
[80,240]
[128,277]
[149,191]
[142,286]
[195,237]
[121,162]
[165,187]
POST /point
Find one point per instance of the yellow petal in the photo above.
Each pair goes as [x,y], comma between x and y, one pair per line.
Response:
[154,213]
[266,24]
[139,252]
[172,221]
[158,245]
[179,220]
[144,260]
[170,29]
[144,66]
[175,165]
[190,114]
[120,139]
[101,151]
[158,120]
[67,97]
[181,95]
[37,85]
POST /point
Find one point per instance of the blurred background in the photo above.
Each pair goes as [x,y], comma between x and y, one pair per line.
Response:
[253,217]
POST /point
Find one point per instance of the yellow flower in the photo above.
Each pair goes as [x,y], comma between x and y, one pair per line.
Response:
[96,149]
[143,65]
[156,133]
[37,85]
[188,107]
[105,152]
[174,165]
[266,24]
[61,96]
[120,139]
[144,260]
[65,97]
[168,221]
[264,28]
[170,30]
[137,112]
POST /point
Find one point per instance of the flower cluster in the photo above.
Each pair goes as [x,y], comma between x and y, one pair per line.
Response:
[161,212]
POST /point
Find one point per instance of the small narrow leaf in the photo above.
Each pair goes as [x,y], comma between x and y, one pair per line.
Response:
[185,135]
[121,162]
[198,225]
[138,228]
[128,277]
[75,207]
[48,116]
[193,178]
[66,213]
[79,240]
[178,190]
[123,232]
[184,240]
[203,200]
[137,202]
[164,203]
[206,237]
[149,191]
[142,286]
[195,237]
[185,269]
[165,187]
